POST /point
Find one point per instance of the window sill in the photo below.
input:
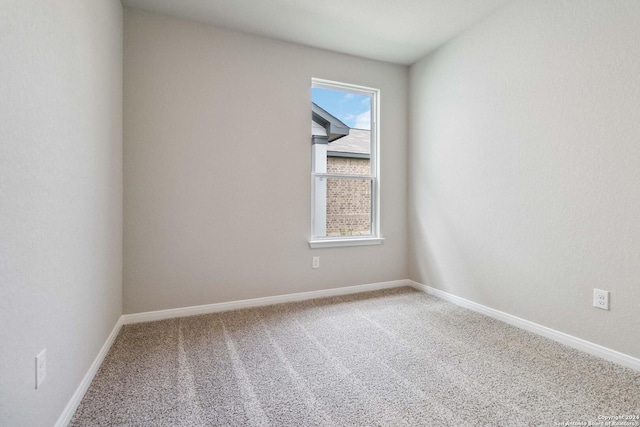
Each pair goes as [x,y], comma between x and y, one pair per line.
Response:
[335,243]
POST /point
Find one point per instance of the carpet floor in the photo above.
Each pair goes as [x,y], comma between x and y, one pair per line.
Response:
[395,357]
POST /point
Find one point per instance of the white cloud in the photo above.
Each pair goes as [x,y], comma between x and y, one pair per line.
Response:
[348,118]
[363,121]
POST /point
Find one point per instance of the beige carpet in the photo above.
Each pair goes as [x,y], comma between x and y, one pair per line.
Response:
[388,358]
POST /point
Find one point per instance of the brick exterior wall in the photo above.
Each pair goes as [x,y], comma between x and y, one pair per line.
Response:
[348,200]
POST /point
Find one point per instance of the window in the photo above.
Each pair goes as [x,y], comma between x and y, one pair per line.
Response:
[344,166]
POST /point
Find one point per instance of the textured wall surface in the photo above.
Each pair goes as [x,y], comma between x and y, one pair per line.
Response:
[198,102]
[60,198]
[525,166]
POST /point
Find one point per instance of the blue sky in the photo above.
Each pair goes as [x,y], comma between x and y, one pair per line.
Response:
[353,110]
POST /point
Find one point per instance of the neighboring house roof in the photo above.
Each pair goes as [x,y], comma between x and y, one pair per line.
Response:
[357,145]
[342,141]
[334,128]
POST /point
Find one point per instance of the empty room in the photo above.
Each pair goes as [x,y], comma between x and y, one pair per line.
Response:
[300,213]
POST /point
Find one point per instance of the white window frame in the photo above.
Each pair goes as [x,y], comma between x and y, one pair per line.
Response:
[375,237]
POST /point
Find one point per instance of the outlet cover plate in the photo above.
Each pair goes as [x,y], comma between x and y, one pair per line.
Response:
[601,299]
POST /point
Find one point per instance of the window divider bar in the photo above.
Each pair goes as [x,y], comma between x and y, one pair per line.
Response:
[337,175]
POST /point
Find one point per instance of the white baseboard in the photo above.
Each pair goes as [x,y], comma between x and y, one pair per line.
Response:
[71,407]
[257,302]
[561,337]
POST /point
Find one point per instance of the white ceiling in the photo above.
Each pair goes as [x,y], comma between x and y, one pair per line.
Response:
[399,31]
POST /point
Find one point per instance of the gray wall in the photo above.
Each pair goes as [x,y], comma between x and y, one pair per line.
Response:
[525,166]
[60,197]
[217,166]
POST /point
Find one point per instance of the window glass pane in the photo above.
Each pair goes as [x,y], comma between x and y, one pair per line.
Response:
[348,207]
[344,118]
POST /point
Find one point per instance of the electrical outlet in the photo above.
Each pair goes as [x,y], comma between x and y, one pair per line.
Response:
[601,299]
[41,368]
[316,262]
